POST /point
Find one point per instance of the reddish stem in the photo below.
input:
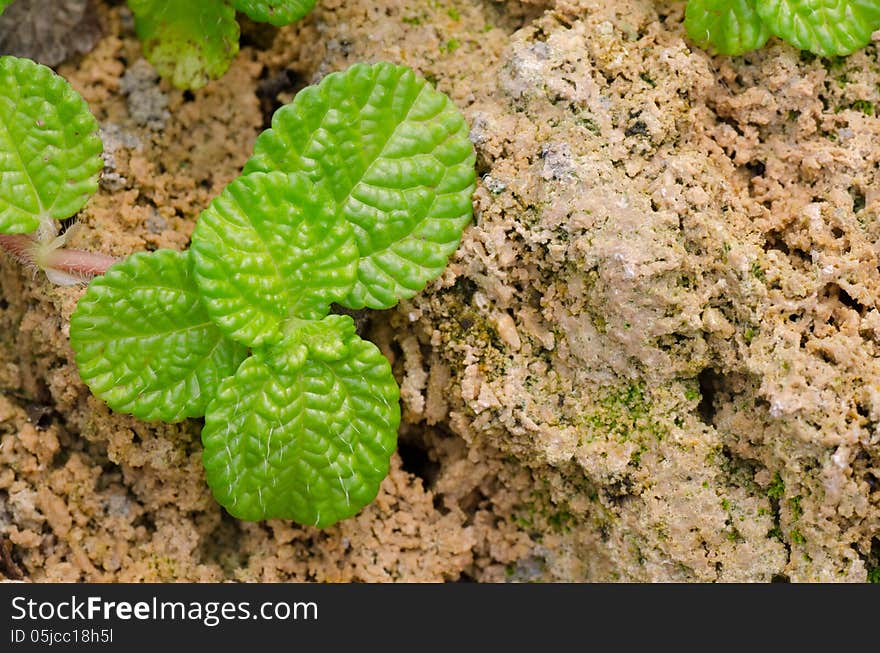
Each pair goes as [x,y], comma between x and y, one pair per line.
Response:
[75,262]
[19,246]
[80,262]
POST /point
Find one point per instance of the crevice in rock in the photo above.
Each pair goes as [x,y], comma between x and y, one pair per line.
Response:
[9,567]
[219,546]
[710,381]
[871,560]
[416,461]
[276,89]
[259,36]
[858,197]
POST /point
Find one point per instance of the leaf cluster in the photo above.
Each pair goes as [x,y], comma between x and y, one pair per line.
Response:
[357,195]
[824,27]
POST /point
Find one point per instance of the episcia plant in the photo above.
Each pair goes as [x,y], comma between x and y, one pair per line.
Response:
[824,27]
[356,196]
[191,42]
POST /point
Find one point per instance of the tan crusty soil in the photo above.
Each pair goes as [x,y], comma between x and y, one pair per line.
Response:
[654,357]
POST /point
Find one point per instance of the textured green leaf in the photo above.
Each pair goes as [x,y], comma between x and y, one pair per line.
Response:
[188,42]
[4,4]
[277,12]
[145,344]
[728,27]
[312,446]
[326,340]
[824,27]
[395,154]
[270,249]
[50,153]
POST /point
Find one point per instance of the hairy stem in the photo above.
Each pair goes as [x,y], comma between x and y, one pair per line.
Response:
[75,263]
[19,247]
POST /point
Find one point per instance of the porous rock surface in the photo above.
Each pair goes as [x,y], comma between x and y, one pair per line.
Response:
[49,31]
[654,356]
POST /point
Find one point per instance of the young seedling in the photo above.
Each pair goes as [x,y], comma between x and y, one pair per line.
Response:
[50,162]
[191,43]
[357,195]
[823,27]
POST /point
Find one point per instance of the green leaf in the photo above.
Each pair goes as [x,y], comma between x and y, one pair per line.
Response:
[145,344]
[4,4]
[50,153]
[395,154]
[277,12]
[270,249]
[824,27]
[188,42]
[312,446]
[326,340]
[728,27]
